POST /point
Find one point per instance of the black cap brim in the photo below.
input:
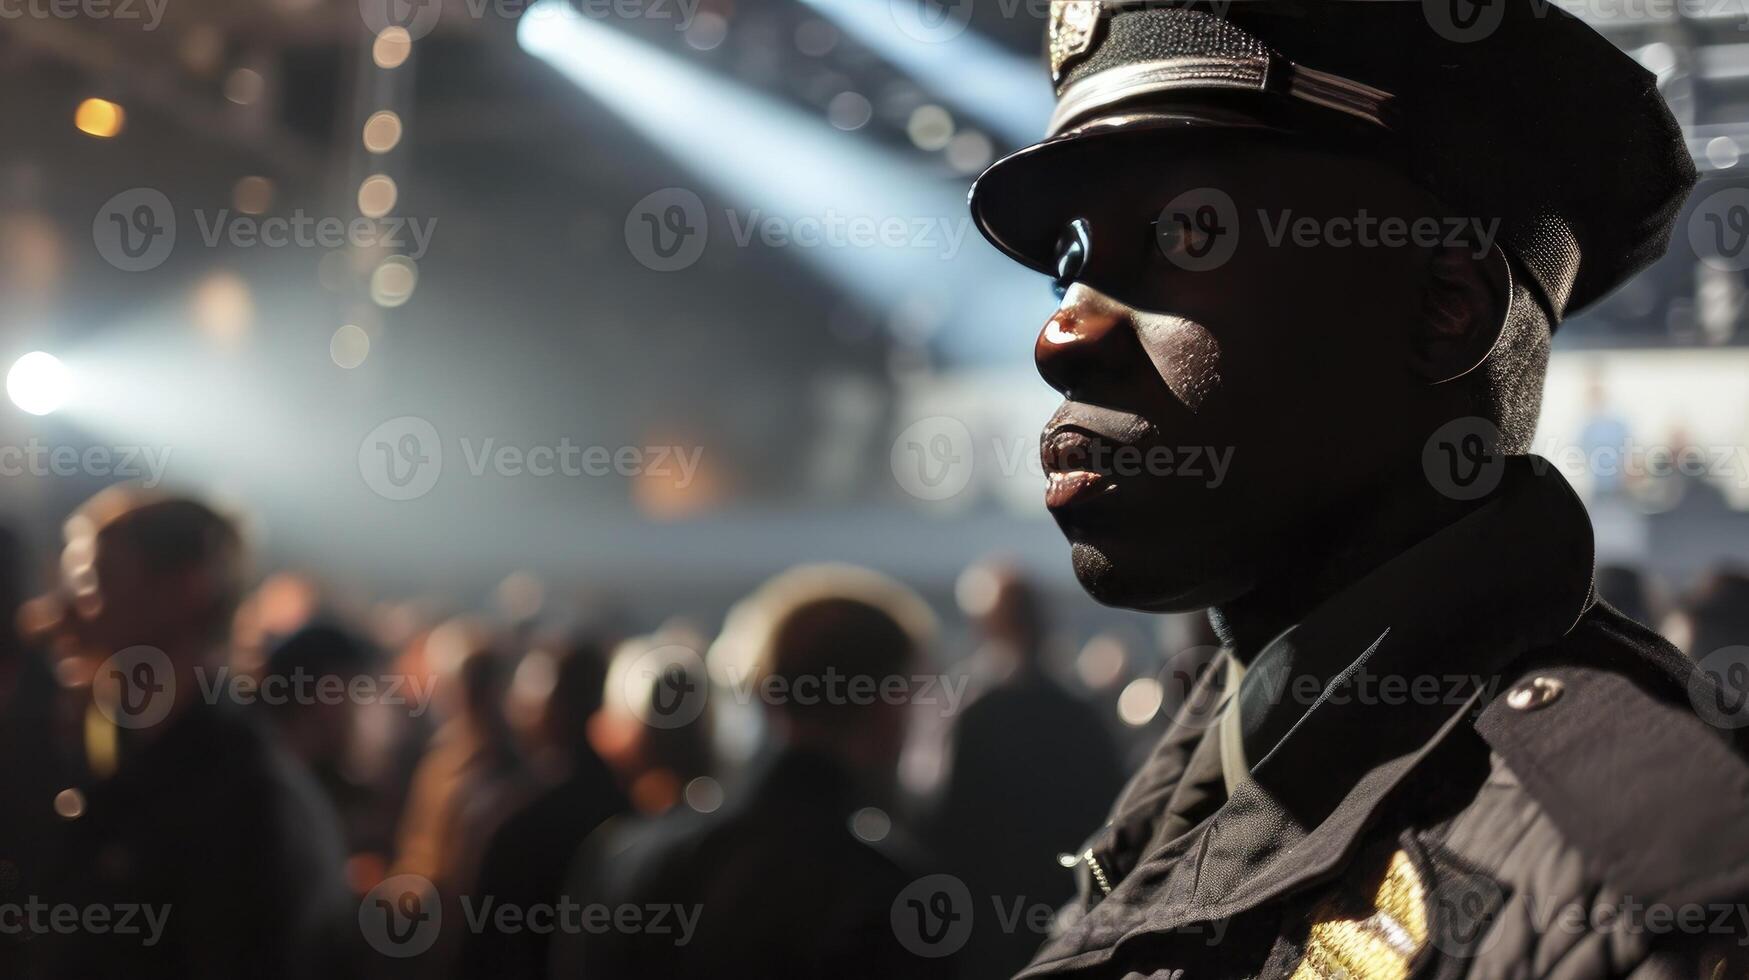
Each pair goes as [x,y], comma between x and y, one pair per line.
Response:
[1022,203]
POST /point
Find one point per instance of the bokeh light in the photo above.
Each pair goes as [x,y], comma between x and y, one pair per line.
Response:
[38,383]
[100,118]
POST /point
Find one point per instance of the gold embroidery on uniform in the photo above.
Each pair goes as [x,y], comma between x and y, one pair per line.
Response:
[1379,946]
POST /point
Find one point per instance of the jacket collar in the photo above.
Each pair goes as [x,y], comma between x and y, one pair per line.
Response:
[1418,643]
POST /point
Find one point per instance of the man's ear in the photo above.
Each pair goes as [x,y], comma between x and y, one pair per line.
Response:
[1462,312]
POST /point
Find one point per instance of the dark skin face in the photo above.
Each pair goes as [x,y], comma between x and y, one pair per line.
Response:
[1318,370]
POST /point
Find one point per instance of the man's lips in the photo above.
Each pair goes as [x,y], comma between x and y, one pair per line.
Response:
[1073,466]
[1078,447]
[1063,489]
[1110,424]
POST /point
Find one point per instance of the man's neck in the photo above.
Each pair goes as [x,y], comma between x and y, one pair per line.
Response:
[1332,555]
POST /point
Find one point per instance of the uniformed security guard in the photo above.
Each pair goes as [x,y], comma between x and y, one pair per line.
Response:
[1333,239]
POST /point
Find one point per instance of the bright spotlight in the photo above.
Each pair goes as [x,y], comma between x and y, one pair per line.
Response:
[38,383]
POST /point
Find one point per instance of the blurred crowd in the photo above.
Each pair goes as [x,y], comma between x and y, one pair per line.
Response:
[212,774]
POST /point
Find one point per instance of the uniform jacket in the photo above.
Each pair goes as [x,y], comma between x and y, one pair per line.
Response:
[1493,775]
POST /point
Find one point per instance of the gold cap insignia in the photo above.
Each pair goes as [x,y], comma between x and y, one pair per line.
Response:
[1073,23]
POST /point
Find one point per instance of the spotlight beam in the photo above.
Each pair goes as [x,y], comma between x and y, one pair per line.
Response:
[772,161]
[955,63]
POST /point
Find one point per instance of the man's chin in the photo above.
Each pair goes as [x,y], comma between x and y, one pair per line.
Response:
[1116,576]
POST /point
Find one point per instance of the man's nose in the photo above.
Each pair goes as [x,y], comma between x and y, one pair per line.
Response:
[1089,336]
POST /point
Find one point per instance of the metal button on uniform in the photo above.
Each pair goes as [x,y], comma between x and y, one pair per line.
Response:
[1535,693]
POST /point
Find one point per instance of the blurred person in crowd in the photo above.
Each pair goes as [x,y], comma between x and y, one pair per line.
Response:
[1625,588]
[1422,728]
[1681,485]
[30,772]
[571,793]
[652,682]
[308,685]
[186,812]
[1025,755]
[1605,438]
[469,771]
[1714,616]
[777,882]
